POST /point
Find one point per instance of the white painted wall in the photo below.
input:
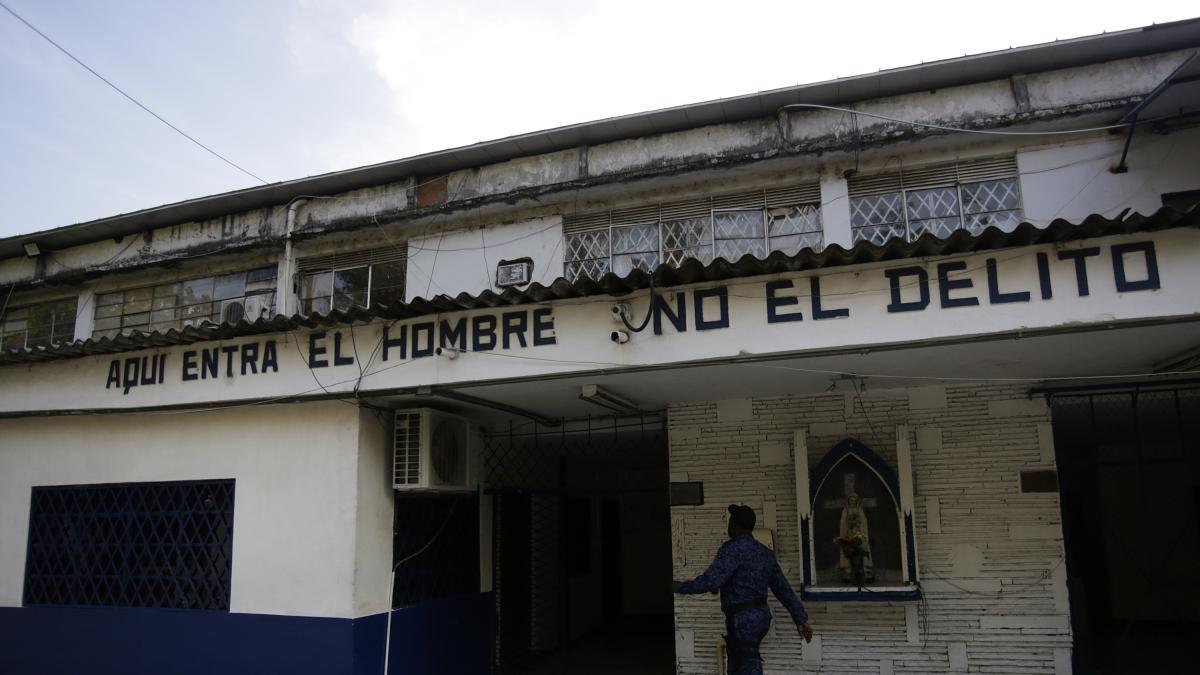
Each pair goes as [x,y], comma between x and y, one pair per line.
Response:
[307,502]
[1073,180]
[374,513]
[464,261]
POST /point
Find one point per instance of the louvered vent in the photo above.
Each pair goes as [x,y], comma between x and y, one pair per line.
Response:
[641,215]
[695,208]
[744,200]
[809,193]
[792,195]
[406,470]
[933,176]
[987,169]
[587,221]
[385,254]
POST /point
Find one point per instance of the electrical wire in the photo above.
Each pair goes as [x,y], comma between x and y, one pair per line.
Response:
[122,92]
[649,311]
[942,127]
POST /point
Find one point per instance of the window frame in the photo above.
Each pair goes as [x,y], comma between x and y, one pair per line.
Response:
[177,307]
[356,262]
[762,201]
[70,563]
[28,309]
[977,173]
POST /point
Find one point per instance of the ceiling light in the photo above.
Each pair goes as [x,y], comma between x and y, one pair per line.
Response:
[606,399]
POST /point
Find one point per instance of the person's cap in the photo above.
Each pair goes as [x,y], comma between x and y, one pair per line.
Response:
[742,516]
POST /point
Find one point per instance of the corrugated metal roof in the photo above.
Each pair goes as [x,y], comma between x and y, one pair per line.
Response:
[690,272]
[934,75]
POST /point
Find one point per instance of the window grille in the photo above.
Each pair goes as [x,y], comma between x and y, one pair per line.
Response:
[357,279]
[940,200]
[39,325]
[229,298]
[728,226]
[166,545]
[448,564]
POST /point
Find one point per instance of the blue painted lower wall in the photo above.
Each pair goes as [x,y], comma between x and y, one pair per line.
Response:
[444,636]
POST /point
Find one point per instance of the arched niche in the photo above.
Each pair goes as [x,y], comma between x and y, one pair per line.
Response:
[858,540]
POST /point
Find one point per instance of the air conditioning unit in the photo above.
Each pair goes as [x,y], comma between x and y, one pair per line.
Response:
[233,312]
[432,450]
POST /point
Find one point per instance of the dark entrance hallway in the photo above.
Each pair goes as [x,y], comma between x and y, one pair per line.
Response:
[1129,467]
[582,551]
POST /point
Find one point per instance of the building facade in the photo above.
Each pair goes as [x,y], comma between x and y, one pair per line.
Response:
[472,411]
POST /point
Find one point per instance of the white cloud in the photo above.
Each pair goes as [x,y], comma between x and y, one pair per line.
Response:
[462,71]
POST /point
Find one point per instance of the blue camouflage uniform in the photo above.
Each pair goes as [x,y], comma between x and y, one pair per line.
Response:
[743,570]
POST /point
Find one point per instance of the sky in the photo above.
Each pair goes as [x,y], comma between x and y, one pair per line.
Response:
[293,89]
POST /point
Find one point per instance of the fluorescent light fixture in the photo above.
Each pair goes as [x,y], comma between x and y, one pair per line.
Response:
[604,398]
[32,250]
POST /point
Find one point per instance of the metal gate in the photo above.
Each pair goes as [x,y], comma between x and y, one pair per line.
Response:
[539,481]
[1129,468]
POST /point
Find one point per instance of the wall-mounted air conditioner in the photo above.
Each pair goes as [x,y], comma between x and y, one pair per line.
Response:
[432,450]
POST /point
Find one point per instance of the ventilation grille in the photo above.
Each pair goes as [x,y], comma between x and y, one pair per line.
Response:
[407,448]
[386,254]
[933,176]
[792,195]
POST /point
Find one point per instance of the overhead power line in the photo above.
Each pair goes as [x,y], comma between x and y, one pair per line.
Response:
[122,92]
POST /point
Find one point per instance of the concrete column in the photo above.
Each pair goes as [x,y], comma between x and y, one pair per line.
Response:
[835,209]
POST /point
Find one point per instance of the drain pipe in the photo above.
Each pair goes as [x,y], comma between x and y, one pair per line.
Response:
[288,306]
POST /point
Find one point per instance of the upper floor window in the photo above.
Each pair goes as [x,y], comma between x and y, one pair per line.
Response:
[753,223]
[39,325]
[228,298]
[968,196]
[358,279]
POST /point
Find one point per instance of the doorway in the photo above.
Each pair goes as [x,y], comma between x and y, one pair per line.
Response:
[1129,473]
[582,550]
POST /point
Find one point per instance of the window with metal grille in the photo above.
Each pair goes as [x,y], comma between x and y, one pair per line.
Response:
[437,538]
[729,226]
[940,199]
[39,325]
[228,298]
[166,545]
[358,279]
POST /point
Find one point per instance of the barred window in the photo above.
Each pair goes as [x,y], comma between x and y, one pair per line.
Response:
[357,279]
[39,325]
[939,200]
[730,226]
[166,545]
[444,531]
[228,298]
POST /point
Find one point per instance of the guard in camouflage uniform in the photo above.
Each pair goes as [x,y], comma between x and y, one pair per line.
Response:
[742,571]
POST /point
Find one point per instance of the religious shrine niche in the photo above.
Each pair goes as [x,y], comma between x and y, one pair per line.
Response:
[856,524]
[856,528]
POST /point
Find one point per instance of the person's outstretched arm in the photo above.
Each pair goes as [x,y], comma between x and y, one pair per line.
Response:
[722,567]
[787,597]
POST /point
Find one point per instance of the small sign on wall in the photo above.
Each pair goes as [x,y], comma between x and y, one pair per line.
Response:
[514,272]
[687,494]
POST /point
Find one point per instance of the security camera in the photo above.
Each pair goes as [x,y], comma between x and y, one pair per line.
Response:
[619,336]
[448,352]
[621,312]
